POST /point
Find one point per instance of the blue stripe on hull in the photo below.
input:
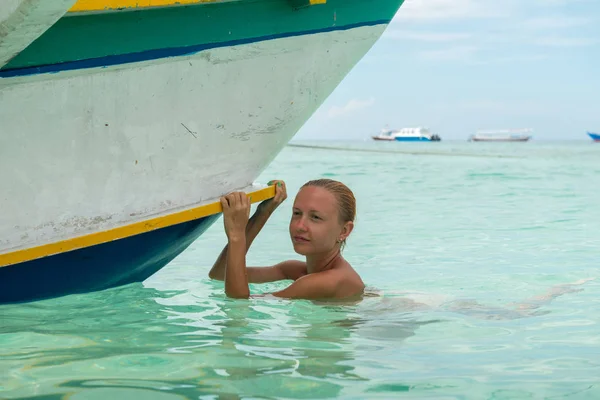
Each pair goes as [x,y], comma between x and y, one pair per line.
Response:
[99,267]
[149,55]
[412,139]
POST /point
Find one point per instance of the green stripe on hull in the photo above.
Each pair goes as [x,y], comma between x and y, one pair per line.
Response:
[81,37]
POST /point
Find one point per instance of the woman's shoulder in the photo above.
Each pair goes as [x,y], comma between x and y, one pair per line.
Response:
[346,270]
[349,281]
[292,269]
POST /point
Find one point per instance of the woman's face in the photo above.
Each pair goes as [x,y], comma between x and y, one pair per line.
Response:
[315,226]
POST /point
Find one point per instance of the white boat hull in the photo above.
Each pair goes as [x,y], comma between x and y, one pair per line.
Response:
[146,139]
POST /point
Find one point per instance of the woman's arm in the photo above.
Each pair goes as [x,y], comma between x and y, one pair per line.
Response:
[255,224]
[253,227]
[236,279]
[236,209]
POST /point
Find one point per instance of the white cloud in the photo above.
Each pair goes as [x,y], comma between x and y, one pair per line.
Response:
[453,9]
[492,107]
[565,42]
[551,2]
[553,22]
[486,31]
[558,3]
[484,105]
[420,10]
[425,36]
[510,59]
[451,53]
[352,106]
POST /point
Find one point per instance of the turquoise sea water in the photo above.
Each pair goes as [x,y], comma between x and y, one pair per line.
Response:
[492,223]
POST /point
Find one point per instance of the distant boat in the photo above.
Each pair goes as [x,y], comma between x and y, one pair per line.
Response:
[595,136]
[506,135]
[407,135]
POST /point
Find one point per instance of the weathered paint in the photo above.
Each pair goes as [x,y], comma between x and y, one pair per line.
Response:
[175,31]
[113,146]
[23,21]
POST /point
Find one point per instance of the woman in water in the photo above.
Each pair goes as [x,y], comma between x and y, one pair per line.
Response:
[322,219]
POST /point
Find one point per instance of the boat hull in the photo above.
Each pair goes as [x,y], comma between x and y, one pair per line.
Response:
[404,139]
[95,151]
[383,139]
[595,136]
[99,267]
[412,139]
[23,21]
[98,132]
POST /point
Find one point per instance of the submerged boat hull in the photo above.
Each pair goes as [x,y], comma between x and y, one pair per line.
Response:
[98,132]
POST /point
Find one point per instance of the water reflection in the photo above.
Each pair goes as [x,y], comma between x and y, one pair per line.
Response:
[297,349]
[269,348]
[134,341]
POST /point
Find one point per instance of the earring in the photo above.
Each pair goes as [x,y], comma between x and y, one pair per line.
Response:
[338,241]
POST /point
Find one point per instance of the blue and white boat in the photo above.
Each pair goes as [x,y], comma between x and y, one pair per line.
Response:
[418,134]
[595,136]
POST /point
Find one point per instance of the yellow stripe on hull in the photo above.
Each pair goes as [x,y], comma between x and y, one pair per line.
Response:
[122,232]
[101,5]
[105,5]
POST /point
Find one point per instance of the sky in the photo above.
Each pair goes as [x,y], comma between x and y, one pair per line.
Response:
[457,66]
